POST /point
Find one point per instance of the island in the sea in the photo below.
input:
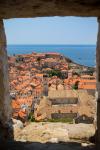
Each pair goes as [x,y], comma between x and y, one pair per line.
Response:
[50,86]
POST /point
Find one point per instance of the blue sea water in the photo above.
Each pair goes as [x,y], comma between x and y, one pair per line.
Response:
[81,54]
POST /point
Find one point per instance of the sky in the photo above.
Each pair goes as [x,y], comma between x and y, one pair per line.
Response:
[51,30]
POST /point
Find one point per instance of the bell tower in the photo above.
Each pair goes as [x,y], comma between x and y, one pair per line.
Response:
[45,85]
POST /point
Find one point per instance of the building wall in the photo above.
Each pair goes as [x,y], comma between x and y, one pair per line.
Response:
[63,115]
[59,101]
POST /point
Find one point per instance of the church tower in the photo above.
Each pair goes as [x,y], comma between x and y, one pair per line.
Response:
[45,85]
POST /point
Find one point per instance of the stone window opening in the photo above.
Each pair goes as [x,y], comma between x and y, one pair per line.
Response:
[6,111]
[8,117]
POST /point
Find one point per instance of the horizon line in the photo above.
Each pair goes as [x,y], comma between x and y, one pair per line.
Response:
[52,44]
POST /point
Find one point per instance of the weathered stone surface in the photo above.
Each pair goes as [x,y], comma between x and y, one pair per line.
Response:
[98,87]
[72,145]
[61,132]
[5,107]
[36,8]
[17,124]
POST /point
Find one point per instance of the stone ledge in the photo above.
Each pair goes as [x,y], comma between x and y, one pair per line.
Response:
[36,8]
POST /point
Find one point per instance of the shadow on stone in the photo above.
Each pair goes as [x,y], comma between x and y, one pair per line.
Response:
[6,132]
[16,145]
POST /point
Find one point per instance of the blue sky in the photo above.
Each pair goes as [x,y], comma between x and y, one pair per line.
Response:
[51,30]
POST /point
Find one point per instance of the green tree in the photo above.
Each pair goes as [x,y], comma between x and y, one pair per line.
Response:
[75,86]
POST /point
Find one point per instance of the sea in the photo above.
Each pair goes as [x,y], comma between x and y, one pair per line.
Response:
[80,54]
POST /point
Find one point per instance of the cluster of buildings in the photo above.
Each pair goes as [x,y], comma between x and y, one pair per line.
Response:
[76,105]
[48,85]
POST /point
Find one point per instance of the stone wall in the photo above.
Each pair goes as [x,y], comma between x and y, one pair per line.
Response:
[61,101]
[64,108]
[84,107]
[36,8]
[98,87]
[5,102]
[63,115]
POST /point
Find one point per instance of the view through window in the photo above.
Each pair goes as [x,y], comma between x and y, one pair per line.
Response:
[52,76]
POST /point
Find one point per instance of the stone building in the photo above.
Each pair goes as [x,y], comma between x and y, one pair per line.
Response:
[45,85]
[73,104]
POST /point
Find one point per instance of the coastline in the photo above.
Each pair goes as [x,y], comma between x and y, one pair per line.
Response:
[77,63]
[79,54]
